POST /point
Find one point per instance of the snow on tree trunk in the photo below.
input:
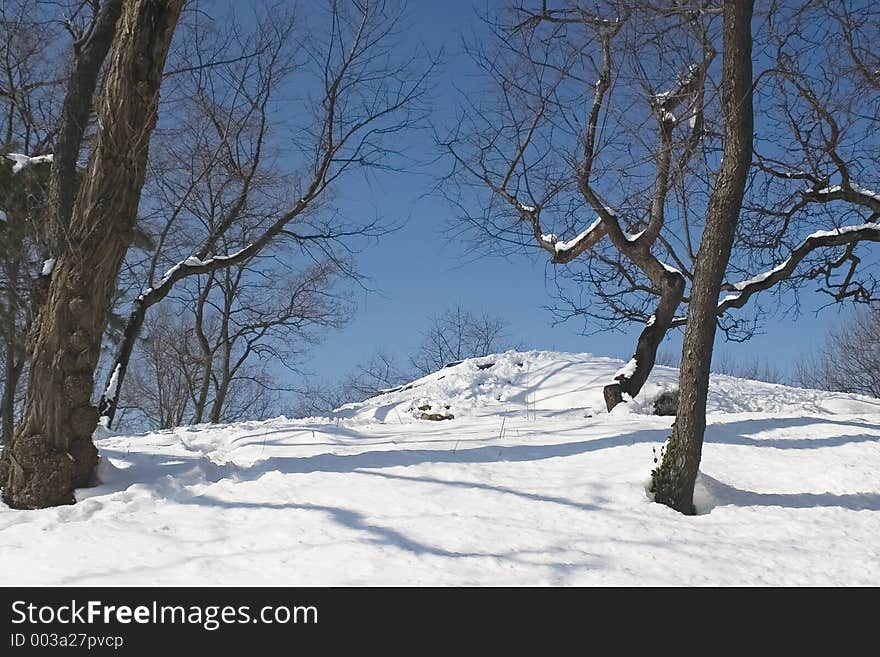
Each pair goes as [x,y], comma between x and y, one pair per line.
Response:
[52,452]
[675,476]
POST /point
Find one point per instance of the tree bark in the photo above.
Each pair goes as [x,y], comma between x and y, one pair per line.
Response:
[52,452]
[81,85]
[13,367]
[649,342]
[674,478]
[13,363]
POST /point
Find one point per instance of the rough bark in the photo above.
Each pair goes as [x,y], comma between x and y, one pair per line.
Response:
[52,452]
[674,478]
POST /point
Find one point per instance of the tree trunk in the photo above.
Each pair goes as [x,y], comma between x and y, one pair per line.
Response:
[674,478]
[52,452]
[80,90]
[12,360]
[12,374]
[110,397]
[649,342]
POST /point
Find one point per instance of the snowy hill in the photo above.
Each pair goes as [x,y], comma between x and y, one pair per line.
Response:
[557,384]
[531,482]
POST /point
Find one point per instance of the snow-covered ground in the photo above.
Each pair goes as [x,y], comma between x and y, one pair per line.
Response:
[531,483]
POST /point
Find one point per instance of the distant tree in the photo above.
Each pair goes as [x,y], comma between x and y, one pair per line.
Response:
[380,373]
[163,376]
[849,360]
[754,369]
[457,334]
[453,335]
[235,203]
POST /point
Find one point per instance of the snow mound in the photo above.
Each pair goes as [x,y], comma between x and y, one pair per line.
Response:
[548,384]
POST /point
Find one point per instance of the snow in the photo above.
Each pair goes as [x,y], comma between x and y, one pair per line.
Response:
[169,273]
[856,188]
[627,370]
[532,483]
[569,244]
[760,278]
[2,215]
[670,268]
[113,384]
[48,267]
[633,237]
[23,161]
[193,261]
[845,229]
[865,192]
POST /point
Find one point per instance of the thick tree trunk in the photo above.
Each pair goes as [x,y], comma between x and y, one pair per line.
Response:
[674,478]
[631,381]
[52,452]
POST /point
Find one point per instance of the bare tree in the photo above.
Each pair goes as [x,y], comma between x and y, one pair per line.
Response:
[673,479]
[457,334]
[52,452]
[602,143]
[245,314]
[164,373]
[381,373]
[366,91]
[546,163]
[23,195]
[31,76]
[215,355]
[849,361]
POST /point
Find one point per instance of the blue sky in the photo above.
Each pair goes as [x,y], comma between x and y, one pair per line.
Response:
[424,268]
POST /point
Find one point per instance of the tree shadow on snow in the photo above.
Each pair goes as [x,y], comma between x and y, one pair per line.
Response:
[717,493]
[740,433]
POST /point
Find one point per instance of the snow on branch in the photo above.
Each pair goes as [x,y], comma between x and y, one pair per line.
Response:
[567,250]
[20,162]
[822,238]
[743,290]
[194,266]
